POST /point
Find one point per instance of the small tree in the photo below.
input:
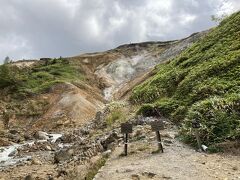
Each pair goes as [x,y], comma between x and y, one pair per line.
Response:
[10,76]
[5,76]
[7,60]
[218,19]
[6,118]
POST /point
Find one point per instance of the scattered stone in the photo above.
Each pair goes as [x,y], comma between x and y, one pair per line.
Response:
[41,135]
[166,177]
[71,152]
[149,174]
[84,131]
[167,135]
[235,168]
[36,161]
[135,177]
[13,131]
[106,143]
[28,177]
[167,141]
[48,148]
[136,133]
[61,172]
[27,136]
[167,123]
[60,140]
[50,177]
[107,153]
[139,134]
[28,163]
[167,145]
[98,117]
[152,138]
[13,153]
[4,142]
[63,155]
[14,138]
[128,170]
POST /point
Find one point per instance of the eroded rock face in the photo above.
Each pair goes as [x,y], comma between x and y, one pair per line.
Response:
[118,73]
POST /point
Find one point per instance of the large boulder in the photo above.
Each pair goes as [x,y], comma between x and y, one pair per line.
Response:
[108,141]
[63,155]
[41,135]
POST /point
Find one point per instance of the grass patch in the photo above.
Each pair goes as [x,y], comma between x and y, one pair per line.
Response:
[118,113]
[41,77]
[94,169]
[143,147]
[37,79]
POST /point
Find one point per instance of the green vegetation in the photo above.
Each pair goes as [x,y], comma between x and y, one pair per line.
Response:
[20,87]
[94,169]
[114,116]
[117,114]
[29,81]
[9,76]
[202,83]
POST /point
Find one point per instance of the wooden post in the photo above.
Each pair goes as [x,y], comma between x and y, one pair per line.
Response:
[126,144]
[196,125]
[198,139]
[160,147]
[156,127]
[126,128]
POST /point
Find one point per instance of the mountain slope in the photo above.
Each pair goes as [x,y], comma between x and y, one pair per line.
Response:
[203,83]
[67,92]
[46,94]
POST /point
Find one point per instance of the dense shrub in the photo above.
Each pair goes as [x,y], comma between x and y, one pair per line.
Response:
[219,117]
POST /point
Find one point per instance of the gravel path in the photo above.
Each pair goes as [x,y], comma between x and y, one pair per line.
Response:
[177,162]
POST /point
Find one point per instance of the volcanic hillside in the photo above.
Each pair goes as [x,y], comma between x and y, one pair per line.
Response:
[66,92]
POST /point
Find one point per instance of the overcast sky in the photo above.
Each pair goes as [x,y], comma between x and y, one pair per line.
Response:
[53,28]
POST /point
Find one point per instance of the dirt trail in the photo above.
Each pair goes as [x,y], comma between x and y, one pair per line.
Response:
[177,162]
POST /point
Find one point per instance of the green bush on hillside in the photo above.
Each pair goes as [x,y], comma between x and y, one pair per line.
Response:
[9,76]
[219,117]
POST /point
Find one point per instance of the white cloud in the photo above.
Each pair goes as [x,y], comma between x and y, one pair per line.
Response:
[43,28]
[18,45]
[187,19]
[226,7]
